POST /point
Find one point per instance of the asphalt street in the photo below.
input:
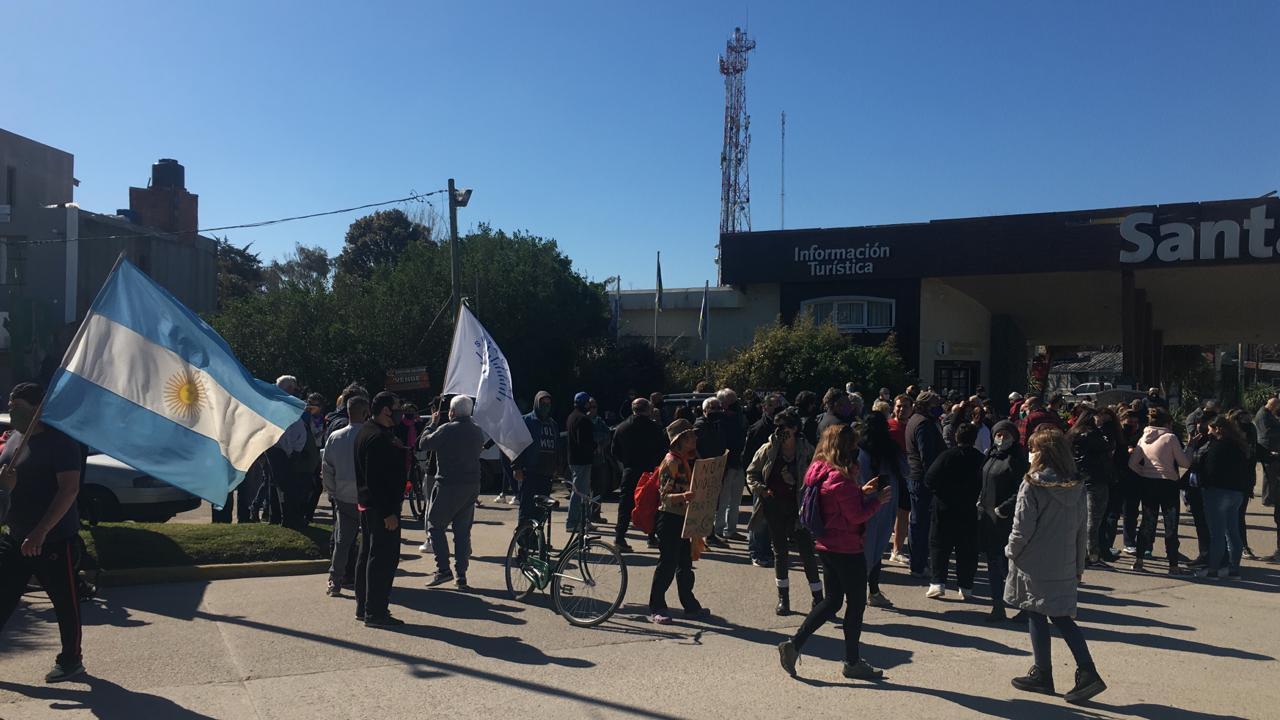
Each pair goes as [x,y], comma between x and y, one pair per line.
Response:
[1170,649]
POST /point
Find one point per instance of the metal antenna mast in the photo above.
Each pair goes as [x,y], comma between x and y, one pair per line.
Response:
[735,180]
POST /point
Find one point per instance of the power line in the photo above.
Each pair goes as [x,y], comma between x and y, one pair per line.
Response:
[415,197]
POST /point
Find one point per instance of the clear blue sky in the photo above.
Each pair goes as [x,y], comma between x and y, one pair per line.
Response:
[599,123]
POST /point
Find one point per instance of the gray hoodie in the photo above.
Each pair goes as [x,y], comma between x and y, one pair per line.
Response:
[1048,547]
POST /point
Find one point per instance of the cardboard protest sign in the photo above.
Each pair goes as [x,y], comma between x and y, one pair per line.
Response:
[700,515]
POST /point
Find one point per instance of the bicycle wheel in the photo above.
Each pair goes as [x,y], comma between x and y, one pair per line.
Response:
[417,503]
[590,583]
[525,543]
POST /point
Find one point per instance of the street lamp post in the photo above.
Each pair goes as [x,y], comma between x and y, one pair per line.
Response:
[457,198]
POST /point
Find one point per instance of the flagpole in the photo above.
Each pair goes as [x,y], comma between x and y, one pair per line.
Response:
[657,301]
[66,356]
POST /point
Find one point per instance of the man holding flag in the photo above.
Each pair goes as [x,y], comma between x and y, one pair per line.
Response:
[149,383]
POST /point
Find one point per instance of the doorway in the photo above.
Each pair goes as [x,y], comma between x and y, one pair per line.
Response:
[958,375]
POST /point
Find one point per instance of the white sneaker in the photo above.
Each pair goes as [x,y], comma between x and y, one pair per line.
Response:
[935,591]
[964,594]
[898,559]
[425,547]
[500,498]
[512,500]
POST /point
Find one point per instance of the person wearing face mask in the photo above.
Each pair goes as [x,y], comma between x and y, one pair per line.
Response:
[1001,476]
[675,553]
[582,454]
[1109,423]
[457,445]
[774,476]
[760,548]
[42,476]
[1092,451]
[535,466]
[924,445]
[380,480]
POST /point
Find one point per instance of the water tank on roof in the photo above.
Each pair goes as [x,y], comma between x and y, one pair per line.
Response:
[168,173]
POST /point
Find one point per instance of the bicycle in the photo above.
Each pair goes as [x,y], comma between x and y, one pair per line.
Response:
[588,577]
[414,493]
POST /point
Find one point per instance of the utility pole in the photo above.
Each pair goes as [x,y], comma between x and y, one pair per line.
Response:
[782,200]
[455,261]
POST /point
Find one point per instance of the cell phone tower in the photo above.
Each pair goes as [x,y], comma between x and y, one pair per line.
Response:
[735,179]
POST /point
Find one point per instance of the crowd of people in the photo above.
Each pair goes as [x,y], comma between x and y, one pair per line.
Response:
[917,480]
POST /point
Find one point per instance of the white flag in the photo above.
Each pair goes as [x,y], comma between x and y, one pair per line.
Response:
[477,368]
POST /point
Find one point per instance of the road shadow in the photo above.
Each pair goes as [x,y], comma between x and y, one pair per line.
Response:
[106,700]
[1093,598]
[458,605]
[1094,616]
[1166,642]
[946,638]
[506,648]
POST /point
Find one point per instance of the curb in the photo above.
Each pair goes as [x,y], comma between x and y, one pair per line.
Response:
[226,571]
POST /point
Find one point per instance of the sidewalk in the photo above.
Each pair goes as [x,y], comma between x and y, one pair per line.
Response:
[278,648]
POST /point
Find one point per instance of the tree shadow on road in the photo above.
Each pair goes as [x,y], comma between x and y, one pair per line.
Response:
[106,700]
[945,638]
[458,605]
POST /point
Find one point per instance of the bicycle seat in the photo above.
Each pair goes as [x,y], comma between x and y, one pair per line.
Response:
[545,502]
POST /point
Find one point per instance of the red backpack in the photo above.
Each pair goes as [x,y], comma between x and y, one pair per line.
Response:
[645,514]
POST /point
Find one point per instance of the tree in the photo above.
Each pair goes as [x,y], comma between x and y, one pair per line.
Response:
[240,272]
[306,267]
[378,240]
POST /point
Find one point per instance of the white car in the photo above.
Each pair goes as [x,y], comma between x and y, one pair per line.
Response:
[1087,391]
[112,491]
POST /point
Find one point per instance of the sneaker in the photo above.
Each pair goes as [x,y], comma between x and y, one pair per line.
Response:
[761,563]
[1247,554]
[1088,684]
[964,593]
[935,591]
[697,614]
[1035,681]
[788,655]
[461,583]
[479,504]
[425,547]
[716,541]
[1130,550]
[512,500]
[334,590]
[862,671]
[899,560]
[878,600]
[1137,564]
[623,546]
[439,578]
[62,673]
[500,499]
[382,621]
[660,619]
[360,617]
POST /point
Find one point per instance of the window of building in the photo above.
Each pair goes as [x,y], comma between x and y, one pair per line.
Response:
[11,186]
[852,313]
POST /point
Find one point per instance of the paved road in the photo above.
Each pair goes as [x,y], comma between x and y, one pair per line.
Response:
[1171,649]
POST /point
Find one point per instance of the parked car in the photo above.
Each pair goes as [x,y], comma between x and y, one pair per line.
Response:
[111,491]
[1088,391]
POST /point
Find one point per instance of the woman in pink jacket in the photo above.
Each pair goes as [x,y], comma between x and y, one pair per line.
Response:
[845,505]
[1157,459]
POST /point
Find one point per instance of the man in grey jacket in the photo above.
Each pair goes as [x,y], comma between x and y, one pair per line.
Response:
[457,445]
[338,473]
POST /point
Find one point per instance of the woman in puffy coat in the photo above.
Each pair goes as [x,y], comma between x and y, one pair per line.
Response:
[845,506]
[1158,459]
[1048,550]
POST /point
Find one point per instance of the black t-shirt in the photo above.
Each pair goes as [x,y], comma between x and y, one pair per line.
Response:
[46,454]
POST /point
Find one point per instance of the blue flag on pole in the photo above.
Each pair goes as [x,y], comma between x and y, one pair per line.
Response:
[706,311]
[657,298]
[149,383]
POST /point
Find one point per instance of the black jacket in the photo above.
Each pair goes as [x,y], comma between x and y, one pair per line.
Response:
[757,435]
[1002,476]
[1226,466]
[380,470]
[924,445]
[734,429]
[582,440]
[809,428]
[1093,455]
[827,420]
[710,437]
[638,443]
[956,480]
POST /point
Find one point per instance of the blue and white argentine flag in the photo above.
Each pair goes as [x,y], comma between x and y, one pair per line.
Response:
[149,383]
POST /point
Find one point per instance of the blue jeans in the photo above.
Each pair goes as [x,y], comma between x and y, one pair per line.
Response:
[1222,511]
[921,516]
[579,508]
[1039,626]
